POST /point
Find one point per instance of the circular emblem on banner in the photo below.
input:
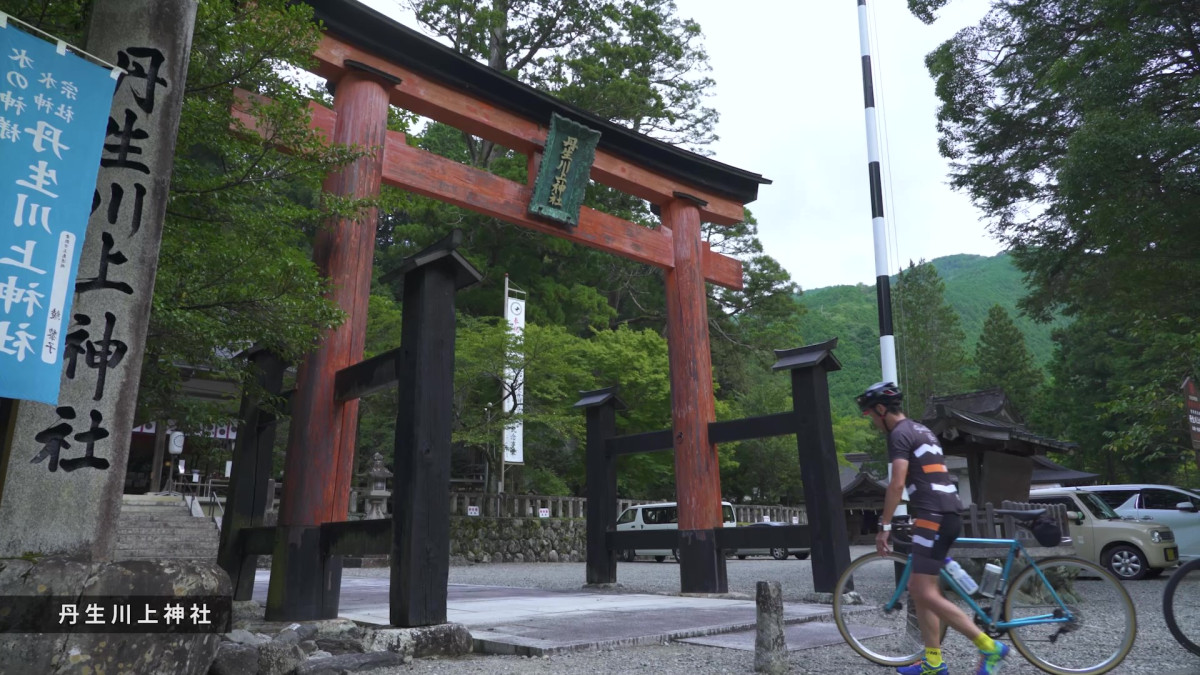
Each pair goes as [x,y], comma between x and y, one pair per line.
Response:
[176,445]
[515,307]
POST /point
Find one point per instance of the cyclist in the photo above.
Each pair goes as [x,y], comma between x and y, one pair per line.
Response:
[919,470]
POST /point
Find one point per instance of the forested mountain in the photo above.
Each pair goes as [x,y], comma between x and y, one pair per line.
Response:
[973,284]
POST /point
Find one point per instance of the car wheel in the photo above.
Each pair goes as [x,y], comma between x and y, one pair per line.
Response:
[801,555]
[659,558]
[1126,562]
[741,557]
[779,553]
[628,555]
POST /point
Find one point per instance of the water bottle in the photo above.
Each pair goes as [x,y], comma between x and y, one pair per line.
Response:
[990,582]
[960,575]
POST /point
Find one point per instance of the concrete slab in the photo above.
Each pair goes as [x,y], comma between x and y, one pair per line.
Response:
[525,621]
[797,636]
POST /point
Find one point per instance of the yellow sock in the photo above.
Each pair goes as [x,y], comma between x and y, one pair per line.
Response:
[985,643]
[933,656]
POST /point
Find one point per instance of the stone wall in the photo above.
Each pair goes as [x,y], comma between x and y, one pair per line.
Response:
[481,540]
[475,539]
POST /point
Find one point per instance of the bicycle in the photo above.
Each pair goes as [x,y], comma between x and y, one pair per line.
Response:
[1065,615]
[1181,605]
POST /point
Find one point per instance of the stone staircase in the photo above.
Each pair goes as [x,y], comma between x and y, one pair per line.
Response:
[154,526]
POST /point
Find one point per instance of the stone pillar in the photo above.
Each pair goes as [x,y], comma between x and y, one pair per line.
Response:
[697,477]
[66,470]
[770,647]
[320,453]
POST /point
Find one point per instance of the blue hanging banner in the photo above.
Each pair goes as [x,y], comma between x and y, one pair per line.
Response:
[54,111]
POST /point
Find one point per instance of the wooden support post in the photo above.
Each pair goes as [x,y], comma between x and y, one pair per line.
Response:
[320,454]
[421,464]
[160,449]
[697,476]
[818,459]
[249,496]
[601,408]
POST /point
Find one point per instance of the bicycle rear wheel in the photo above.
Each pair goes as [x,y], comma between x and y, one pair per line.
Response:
[1101,627]
[1181,606]
[889,638]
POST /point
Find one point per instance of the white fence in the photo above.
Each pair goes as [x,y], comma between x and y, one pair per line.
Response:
[530,506]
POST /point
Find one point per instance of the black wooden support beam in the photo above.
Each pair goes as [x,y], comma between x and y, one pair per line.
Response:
[366,377]
[420,546]
[631,539]
[357,537]
[779,424]
[601,408]
[781,536]
[810,367]
[257,540]
[651,441]
[247,501]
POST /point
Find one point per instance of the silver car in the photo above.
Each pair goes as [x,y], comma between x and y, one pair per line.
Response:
[1175,507]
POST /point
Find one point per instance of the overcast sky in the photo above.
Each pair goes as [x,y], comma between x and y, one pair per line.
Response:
[789,92]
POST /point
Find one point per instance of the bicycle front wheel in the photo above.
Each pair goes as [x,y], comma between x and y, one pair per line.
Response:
[1100,625]
[887,636]
[1181,606]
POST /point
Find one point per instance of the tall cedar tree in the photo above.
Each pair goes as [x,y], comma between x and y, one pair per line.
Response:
[1073,124]
[929,340]
[1003,361]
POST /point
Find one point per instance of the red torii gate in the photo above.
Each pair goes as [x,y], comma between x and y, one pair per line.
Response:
[373,61]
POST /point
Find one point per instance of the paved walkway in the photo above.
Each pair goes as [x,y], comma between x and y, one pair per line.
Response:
[525,621]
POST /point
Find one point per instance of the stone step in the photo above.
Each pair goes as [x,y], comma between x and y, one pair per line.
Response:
[154,508]
[155,520]
[189,546]
[182,521]
[165,542]
[150,499]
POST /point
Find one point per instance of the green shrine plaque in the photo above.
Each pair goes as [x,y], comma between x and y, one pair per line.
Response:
[563,175]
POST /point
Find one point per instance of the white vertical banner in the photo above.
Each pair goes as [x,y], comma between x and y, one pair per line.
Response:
[514,380]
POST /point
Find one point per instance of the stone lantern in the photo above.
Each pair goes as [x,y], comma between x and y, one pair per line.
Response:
[378,492]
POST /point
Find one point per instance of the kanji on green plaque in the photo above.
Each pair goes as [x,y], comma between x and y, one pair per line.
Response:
[563,175]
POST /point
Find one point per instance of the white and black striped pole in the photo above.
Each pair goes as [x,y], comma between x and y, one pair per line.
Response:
[887,341]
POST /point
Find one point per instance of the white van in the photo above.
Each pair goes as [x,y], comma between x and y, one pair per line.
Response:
[664,516]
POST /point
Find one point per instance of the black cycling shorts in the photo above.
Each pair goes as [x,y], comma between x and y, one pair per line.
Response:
[933,534]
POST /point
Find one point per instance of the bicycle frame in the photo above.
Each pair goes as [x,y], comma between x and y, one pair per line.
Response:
[1014,550]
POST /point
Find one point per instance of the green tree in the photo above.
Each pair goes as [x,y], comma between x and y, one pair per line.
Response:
[1003,361]
[1073,124]
[929,342]
[631,61]
[234,267]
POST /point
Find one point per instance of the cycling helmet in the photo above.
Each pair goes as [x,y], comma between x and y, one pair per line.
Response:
[886,393]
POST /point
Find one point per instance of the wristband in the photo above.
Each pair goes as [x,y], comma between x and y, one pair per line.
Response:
[887,527]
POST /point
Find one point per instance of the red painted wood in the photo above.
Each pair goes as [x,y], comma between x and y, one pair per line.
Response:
[697,474]
[465,112]
[427,174]
[320,453]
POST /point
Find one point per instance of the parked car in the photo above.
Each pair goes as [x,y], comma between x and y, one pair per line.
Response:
[1130,549]
[776,553]
[664,516]
[1177,508]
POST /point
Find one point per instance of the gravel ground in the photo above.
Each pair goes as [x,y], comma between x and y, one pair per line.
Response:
[1155,651]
